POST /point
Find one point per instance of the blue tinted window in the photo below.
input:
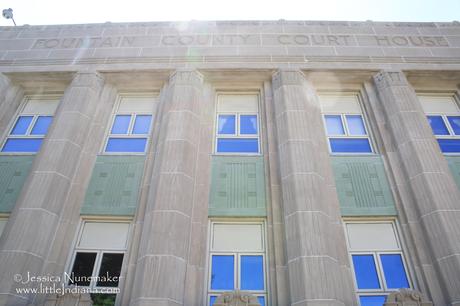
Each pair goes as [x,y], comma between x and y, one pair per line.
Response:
[356,125]
[226,124]
[334,125]
[22,145]
[21,126]
[252,272]
[261,300]
[222,274]
[121,124]
[237,145]
[248,124]
[41,125]
[455,124]
[126,145]
[438,125]
[377,300]
[365,272]
[350,145]
[393,268]
[449,145]
[212,300]
[142,124]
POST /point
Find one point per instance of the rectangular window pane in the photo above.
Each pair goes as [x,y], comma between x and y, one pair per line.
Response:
[237,145]
[449,145]
[126,145]
[261,300]
[82,269]
[212,300]
[393,269]
[438,125]
[121,124]
[334,125]
[377,300]
[41,125]
[109,272]
[142,124]
[22,124]
[252,272]
[365,272]
[356,125]
[248,124]
[30,145]
[226,125]
[222,273]
[350,145]
[455,123]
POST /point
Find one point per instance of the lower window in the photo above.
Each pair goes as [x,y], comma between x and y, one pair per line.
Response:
[377,259]
[98,255]
[237,260]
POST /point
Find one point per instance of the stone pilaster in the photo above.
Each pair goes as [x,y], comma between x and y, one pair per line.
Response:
[162,259]
[34,222]
[10,99]
[430,200]
[316,252]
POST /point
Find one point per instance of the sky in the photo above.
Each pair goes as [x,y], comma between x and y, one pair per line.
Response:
[37,12]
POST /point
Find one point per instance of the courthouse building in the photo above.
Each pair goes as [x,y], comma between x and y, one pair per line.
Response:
[304,162]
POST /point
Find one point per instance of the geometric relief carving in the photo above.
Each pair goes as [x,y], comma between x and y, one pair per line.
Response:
[114,186]
[362,186]
[237,186]
[13,173]
[236,298]
[407,297]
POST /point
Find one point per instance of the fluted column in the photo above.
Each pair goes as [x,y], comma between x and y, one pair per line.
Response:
[316,252]
[10,99]
[165,239]
[430,197]
[33,224]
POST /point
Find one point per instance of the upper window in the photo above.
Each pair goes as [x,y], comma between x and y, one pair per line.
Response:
[131,125]
[98,255]
[345,125]
[378,262]
[237,260]
[443,115]
[237,128]
[31,125]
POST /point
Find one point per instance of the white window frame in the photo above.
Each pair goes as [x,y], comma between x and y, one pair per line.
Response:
[376,254]
[20,112]
[444,119]
[99,254]
[237,134]
[237,260]
[347,135]
[133,115]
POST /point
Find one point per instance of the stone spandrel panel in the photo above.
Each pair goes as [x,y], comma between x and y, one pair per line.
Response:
[454,165]
[237,187]
[13,173]
[362,186]
[114,186]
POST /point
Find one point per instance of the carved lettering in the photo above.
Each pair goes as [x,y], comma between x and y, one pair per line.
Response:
[411,41]
[317,40]
[87,42]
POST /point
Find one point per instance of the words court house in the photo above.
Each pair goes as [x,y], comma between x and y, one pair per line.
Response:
[268,163]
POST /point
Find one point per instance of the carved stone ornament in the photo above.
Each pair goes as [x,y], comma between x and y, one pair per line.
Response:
[407,297]
[69,299]
[236,298]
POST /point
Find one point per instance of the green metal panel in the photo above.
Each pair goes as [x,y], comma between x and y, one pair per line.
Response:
[238,186]
[362,186]
[454,165]
[114,186]
[14,170]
